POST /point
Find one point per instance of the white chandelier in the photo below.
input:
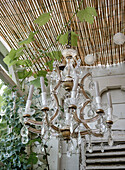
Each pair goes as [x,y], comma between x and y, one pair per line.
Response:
[67,109]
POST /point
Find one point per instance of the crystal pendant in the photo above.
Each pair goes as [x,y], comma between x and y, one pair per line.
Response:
[90,148]
[24,131]
[24,139]
[69,154]
[91,85]
[110,141]
[71,127]
[79,138]
[43,129]
[90,113]
[102,147]
[59,154]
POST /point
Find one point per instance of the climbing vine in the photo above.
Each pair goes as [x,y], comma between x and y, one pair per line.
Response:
[13,58]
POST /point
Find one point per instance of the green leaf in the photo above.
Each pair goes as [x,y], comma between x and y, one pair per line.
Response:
[19,52]
[41,73]
[50,64]
[10,56]
[55,55]
[34,140]
[87,14]
[23,74]
[43,19]
[32,158]
[29,39]
[21,62]
[64,38]
[36,82]
[13,56]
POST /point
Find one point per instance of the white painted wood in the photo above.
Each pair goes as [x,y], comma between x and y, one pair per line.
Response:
[105,167]
[106,154]
[54,158]
[70,163]
[97,148]
[120,124]
[119,112]
[118,96]
[64,148]
[106,160]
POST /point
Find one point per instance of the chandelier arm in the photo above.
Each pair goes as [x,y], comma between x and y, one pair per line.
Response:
[46,118]
[86,120]
[53,117]
[85,132]
[82,83]
[33,122]
[92,119]
[56,87]
[91,132]
[81,110]
[87,75]
[86,126]
[33,130]
[55,128]
[75,128]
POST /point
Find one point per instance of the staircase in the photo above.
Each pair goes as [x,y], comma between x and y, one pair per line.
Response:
[113,157]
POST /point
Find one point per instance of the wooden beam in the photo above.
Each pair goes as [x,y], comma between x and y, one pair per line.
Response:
[5,78]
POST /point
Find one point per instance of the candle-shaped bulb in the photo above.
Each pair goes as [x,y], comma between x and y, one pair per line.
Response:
[29,99]
[97,89]
[43,89]
[31,92]
[42,84]
[75,86]
[109,100]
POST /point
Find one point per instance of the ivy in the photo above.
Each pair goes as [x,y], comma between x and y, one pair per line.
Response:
[29,39]
[11,147]
[43,19]
[63,39]
[33,158]
[13,56]
[87,14]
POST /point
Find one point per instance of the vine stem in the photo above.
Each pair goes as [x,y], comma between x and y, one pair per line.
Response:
[46,158]
[65,26]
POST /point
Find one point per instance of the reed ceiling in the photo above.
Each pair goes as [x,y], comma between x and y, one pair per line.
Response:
[16,22]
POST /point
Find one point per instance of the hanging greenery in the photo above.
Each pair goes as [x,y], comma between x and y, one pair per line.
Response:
[13,154]
[13,58]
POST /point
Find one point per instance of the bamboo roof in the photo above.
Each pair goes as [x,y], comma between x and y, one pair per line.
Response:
[16,22]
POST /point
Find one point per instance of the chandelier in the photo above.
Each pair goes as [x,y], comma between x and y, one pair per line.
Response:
[67,109]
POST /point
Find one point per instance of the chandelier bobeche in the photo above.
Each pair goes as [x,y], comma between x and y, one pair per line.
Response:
[68,109]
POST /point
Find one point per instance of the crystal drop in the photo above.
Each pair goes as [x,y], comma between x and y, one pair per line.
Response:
[110,141]
[42,149]
[102,147]
[71,128]
[24,131]
[59,154]
[91,85]
[91,113]
[79,138]
[69,154]
[90,149]
[25,139]
[43,130]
